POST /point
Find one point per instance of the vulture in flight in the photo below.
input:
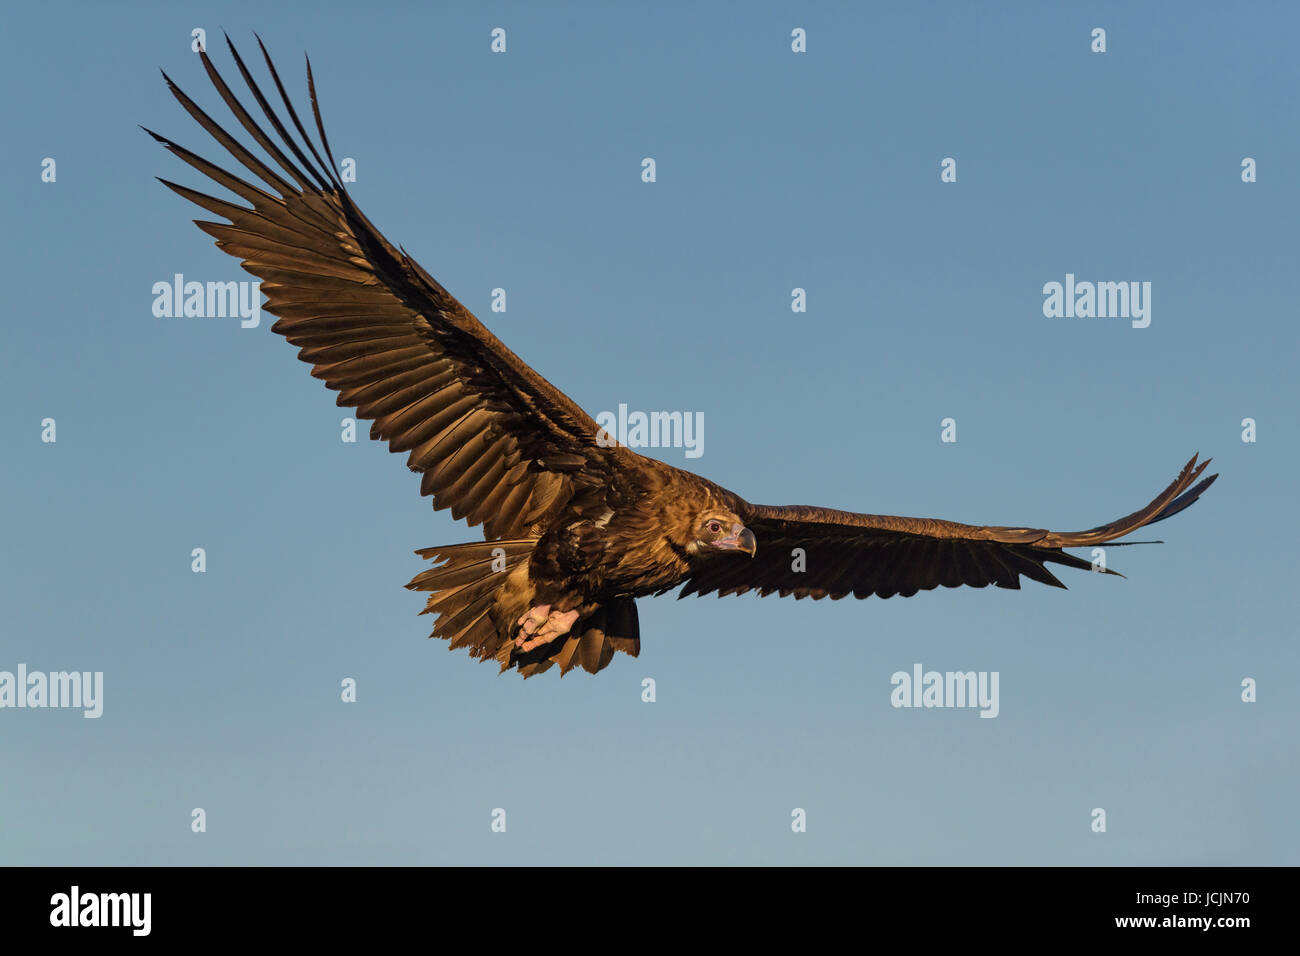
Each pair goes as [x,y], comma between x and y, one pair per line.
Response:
[576,527]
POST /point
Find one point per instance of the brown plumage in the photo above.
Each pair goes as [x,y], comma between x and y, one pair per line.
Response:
[575,528]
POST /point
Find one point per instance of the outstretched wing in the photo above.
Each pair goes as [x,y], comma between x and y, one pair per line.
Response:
[846,553]
[495,442]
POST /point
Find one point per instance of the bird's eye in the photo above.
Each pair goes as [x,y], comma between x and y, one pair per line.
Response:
[715,527]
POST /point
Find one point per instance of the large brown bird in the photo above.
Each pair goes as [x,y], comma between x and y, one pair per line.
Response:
[575,528]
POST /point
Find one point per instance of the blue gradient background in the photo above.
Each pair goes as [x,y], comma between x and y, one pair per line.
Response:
[775,171]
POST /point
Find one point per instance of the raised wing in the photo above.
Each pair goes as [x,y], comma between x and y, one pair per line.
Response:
[496,442]
[846,553]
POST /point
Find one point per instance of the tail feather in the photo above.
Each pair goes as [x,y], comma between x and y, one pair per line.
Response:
[471,580]
[480,589]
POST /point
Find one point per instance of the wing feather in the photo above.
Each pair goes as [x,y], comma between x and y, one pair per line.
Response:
[497,443]
[860,554]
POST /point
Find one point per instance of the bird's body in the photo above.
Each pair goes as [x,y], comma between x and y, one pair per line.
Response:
[576,527]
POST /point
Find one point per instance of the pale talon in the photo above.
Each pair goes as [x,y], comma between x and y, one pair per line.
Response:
[543,625]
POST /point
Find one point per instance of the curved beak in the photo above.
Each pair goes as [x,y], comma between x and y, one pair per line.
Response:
[740,539]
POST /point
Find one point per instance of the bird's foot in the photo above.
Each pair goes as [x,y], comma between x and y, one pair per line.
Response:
[541,625]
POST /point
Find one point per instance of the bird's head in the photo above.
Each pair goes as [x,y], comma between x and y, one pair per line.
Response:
[719,532]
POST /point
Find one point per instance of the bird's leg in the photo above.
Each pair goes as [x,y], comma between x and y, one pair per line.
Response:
[540,625]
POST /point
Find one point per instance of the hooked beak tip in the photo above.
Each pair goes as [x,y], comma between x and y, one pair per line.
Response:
[745,541]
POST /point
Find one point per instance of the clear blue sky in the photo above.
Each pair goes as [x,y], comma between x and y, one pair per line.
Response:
[775,171]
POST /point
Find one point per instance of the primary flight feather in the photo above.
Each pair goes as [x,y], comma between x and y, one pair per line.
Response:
[575,527]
